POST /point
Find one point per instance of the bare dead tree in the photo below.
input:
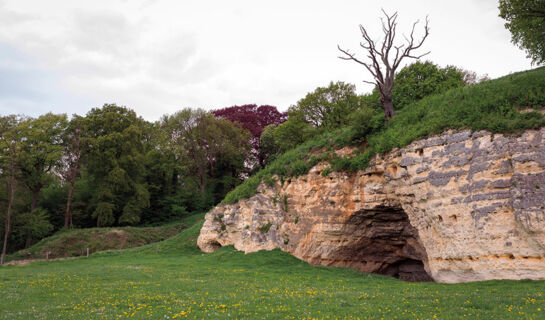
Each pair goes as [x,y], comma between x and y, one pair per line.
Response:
[380,65]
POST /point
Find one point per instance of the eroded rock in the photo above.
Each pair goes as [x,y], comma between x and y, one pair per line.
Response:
[457,207]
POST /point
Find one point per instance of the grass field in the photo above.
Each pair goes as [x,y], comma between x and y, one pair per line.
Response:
[172,279]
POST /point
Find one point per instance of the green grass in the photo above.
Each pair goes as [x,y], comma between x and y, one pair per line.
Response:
[493,105]
[74,242]
[173,279]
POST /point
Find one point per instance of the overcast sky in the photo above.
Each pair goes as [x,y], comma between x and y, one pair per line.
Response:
[158,56]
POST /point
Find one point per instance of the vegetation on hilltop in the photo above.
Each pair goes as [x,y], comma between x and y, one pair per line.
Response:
[493,105]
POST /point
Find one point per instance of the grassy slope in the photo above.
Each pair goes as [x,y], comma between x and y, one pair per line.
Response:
[493,105]
[73,243]
[173,279]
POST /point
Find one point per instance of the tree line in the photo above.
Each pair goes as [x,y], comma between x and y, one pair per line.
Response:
[112,168]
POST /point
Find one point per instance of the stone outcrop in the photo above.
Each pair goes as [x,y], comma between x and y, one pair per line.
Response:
[457,207]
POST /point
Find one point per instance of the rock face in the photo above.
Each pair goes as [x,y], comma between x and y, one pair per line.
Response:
[457,207]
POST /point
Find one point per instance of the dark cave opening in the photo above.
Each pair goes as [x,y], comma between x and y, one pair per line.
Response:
[383,241]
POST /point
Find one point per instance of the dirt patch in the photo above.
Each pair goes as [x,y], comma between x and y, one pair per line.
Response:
[116,238]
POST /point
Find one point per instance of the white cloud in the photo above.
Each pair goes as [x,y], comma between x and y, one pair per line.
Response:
[159,56]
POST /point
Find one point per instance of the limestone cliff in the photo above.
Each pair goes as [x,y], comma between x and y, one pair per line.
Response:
[457,207]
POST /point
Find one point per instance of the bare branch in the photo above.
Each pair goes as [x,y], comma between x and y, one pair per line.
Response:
[379,58]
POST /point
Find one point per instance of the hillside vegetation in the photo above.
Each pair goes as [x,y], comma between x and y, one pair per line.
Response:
[509,105]
[75,242]
[172,279]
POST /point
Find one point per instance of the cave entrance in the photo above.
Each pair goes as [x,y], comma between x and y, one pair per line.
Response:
[383,241]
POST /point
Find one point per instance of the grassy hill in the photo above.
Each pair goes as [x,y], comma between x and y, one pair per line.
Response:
[510,104]
[172,279]
[75,242]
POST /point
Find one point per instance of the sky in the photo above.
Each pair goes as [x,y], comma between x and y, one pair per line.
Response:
[159,56]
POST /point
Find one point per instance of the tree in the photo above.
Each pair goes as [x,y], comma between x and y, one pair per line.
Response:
[41,154]
[421,79]
[115,164]
[526,22]
[72,145]
[288,135]
[267,146]
[254,119]
[328,107]
[42,151]
[381,66]
[10,145]
[201,142]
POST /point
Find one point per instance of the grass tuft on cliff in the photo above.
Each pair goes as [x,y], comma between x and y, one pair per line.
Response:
[508,105]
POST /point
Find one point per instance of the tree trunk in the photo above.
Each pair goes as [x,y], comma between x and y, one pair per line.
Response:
[8,215]
[388,108]
[73,174]
[35,195]
[68,213]
[202,185]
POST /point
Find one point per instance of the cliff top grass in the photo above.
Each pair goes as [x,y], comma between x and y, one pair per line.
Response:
[508,105]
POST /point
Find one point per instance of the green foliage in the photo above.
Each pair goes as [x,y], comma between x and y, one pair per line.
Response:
[265,228]
[326,172]
[526,22]
[364,121]
[269,180]
[214,169]
[328,107]
[41,151]
[421,79]
[104,214]
[292,133]
[116,163]
[492,105]
[267,145]
[33,225]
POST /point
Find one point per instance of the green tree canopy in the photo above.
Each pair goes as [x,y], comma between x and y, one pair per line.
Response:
[421,79]
[204,144]
[41,151]
[526,22]
[328,107]
[115,163]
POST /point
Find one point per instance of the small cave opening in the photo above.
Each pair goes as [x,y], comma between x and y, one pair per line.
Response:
[213,246]
[382,241]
